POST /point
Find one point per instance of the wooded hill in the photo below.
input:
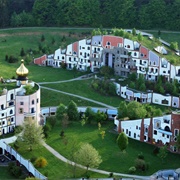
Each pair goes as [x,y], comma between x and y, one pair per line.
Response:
[141,14]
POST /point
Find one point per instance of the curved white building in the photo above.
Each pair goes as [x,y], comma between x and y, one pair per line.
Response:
[16,103]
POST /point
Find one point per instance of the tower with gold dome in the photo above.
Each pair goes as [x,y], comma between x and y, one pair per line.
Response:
[22,73]
[17,104]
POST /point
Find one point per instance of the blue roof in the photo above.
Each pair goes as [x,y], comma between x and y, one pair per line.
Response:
[112,111]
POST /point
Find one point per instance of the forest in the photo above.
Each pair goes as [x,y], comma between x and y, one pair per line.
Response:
[141,14]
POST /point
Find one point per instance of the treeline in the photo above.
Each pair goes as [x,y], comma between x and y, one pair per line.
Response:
[142,14]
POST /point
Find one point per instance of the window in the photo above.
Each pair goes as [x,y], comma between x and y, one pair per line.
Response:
[32,101]
[81,53]
[32,110]
[12,96]
[11,111]
[12,119]
[21,103]
[20,110]
[168,136]
[69,58]
[162,135]
[2,106]
[37,100]
[3,122]
[144,137]
[176,132]
[165,101]
[128,46]
[136,127]
[88,48]
[129,133]
[155,132]
[134,135]
[126,131]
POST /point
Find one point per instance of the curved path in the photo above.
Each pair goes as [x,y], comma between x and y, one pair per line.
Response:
[62,158]
[70,94]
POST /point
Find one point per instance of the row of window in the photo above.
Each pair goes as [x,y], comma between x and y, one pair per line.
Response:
[21,110]
[10,112]
[11,120]
[32,102]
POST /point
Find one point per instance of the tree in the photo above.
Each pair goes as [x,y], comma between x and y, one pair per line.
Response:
[140,37]
[72,111]
[89,114]
[65,120]
[41,162]
[122,141]
[61,109]
[134,32]
[32,134]
[88,156]
[135,110]
[100,116]
[122,110]
[162,152]
[22,53]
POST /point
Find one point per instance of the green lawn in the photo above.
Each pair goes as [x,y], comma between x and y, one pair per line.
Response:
[83,88]
[5,174]
[108,149]
[56,169]
[51,98]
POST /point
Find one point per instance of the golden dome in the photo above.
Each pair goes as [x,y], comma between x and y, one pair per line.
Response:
[22,70]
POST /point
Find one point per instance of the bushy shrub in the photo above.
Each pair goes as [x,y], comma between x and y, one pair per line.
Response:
[132,170]
[41,162]
[110,174]
[140,164]
[33,159]
[52,121]
[155,150]
[14,170]
[140,156]
[10,166]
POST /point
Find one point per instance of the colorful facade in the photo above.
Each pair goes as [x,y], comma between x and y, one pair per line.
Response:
[156,130]
[101,50]
[15,105]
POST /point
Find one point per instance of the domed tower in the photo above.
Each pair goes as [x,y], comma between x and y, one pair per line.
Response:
[22,73]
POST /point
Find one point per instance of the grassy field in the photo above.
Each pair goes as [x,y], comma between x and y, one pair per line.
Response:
[83,88]
[50,98]
[113,159]
[55,169]
[5,174]
[11,42]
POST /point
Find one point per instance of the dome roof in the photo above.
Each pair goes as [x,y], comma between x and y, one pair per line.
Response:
[22,70]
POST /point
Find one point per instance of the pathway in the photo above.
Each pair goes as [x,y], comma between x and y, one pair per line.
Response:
[74,95]
[59,156]
[62,158]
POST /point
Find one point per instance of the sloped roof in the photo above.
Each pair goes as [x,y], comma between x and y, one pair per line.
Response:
[161,50]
